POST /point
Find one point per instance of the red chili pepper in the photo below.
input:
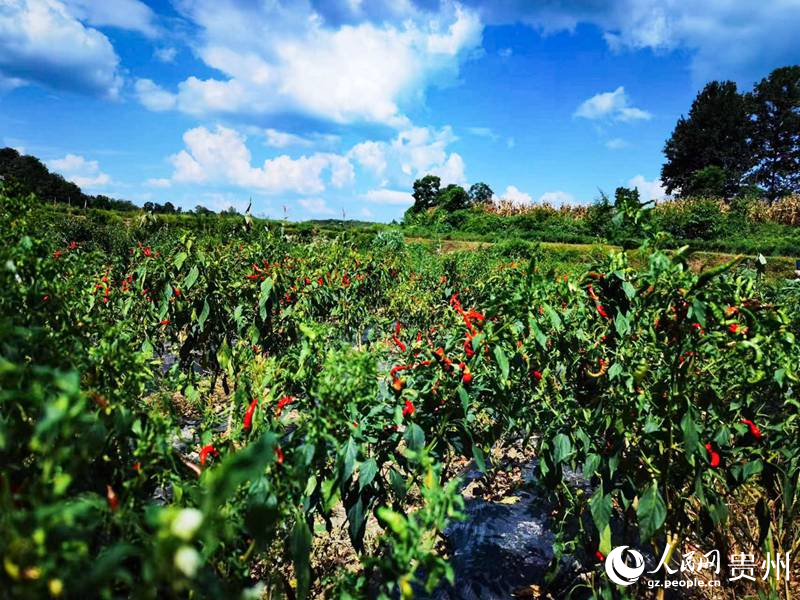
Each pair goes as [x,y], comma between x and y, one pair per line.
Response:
[602,311]
[278,455]
[177,291]
[320,281]
[111,498]
[600,556]
[408,409]
[248,416]
[466,377]
[205,451]
[754,430]
[165,322]
[147,251]
[283,402]
[713,456]
[398,343]
[537,375]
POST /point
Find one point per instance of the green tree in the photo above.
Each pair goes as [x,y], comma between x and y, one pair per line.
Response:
[452,198]
[775,106]
[426,192]
[480,193]
[709,182]
[715,133]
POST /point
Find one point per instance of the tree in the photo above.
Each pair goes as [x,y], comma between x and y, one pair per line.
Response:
[452,198]
[715,134]
[775,106]
[426,193]
[709,182]
[480,193]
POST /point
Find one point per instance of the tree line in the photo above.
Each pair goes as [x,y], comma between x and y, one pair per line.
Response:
[734,143]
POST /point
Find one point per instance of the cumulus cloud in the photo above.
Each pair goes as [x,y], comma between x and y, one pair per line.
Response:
[42,42]
[152,96]
[221,156]
[283,139]
[724,39]
[515,195]
[648,190]
[158,182]
[557,198]
[616,144]
[83,173]
[132,15]
[386,196]
[612,106]
[414,152]
[316,206]
[166,54]
[287,58]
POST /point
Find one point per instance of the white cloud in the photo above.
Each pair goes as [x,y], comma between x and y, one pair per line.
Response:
[158,182]
[282,139]
[83,173]
[515,195]
[152,96]
[316,206]
[42,42]
[371,155]
[505,52]
[166,54]
[286,58]
[556,198]
[222,156]
[414,152]
[123,14]
[384,196]
[616,144]
[648,190]
[484,132]
[611,105]
[724,39]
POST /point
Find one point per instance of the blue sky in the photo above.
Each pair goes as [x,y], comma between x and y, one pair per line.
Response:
[313,108]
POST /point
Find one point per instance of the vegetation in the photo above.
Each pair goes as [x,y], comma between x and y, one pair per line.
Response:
[730,140]
[189,404]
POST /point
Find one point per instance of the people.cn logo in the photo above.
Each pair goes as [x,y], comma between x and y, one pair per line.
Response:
[618,568]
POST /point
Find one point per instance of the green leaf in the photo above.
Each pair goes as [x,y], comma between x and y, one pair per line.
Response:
[502,361]
[366,473]
[179,259]
[263,296]
[651,513]
[357,520]
[398,484]
[555,320]
[621,324]
[600,507]
[690,435]
[562,448]
[629,290]
[201,320]
[188,282]
[699,312]
[480,459]
[415,437]
[395,521]
[300,545]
